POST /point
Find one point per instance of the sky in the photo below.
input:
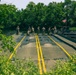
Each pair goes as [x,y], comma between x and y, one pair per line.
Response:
[21,4]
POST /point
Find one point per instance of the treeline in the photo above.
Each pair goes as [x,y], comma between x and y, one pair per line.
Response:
[38,15]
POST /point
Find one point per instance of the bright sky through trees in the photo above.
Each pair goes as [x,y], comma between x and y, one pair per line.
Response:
[23,3]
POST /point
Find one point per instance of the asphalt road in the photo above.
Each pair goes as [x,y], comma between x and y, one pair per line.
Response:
[51,52]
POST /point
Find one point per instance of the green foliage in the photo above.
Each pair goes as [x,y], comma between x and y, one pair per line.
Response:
[7,42]
[17,67]
[7,16]
[24,67]
[38,15]
[35,15]
[64,68]
[72,29]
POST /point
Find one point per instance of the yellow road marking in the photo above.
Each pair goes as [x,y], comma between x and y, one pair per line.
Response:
[43,61]
[40,68]
[61,48]
[43,64]
[16,48]
[40,56]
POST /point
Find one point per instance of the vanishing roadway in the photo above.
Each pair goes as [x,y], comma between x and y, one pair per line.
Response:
[44,50]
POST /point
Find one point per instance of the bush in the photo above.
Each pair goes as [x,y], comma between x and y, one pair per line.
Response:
[65,68]
[17,67]
[7,43]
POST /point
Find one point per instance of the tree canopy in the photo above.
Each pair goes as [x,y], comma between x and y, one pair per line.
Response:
[38,15]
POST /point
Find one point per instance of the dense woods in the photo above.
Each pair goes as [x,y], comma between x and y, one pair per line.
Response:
[38,15]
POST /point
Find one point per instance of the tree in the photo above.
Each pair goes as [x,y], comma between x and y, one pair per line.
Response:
[7,15]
